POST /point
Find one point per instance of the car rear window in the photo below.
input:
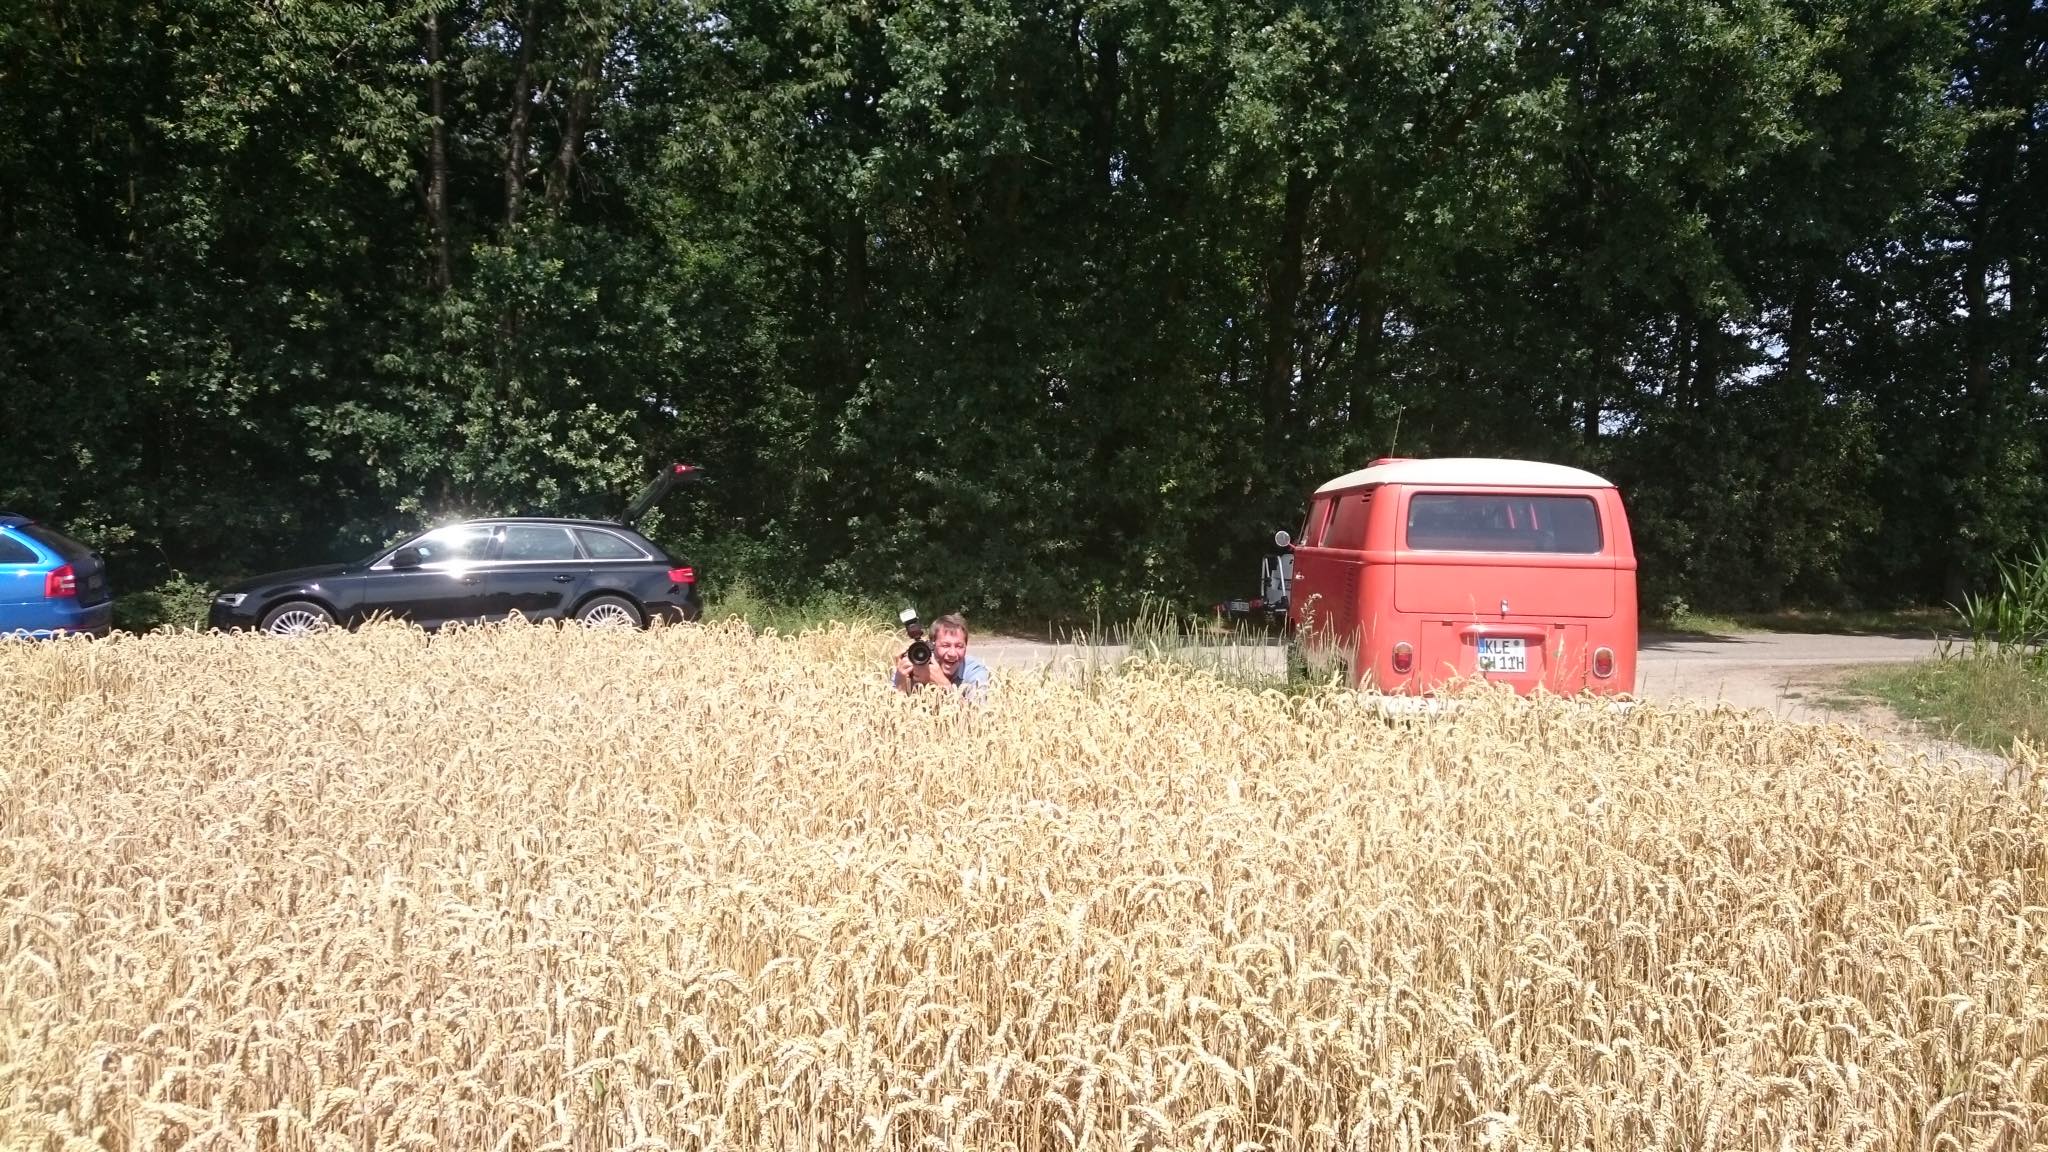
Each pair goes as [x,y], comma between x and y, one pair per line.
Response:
[1477,522]
[13,551]
[56,541]
[608,546]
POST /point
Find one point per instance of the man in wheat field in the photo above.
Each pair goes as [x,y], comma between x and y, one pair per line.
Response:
[950,665]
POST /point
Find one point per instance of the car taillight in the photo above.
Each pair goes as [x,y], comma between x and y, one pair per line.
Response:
[1404,658]
[682,575]
[60,583]
[1603,662]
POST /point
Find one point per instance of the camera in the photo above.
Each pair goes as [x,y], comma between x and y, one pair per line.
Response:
[920,649]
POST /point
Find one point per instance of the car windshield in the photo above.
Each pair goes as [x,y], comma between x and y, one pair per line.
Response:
[390,545]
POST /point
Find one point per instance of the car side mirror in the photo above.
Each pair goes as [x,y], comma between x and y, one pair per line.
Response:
[406,558]
[1283,541]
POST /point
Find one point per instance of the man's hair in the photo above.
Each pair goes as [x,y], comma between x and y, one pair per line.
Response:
[950,622]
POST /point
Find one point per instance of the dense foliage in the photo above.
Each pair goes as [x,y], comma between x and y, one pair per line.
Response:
[1021,306]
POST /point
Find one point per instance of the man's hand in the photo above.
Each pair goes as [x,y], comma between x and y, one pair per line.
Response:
[909,676]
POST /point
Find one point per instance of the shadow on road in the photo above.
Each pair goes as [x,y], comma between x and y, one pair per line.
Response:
[1662,641]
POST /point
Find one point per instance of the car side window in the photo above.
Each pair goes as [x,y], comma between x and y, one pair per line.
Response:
[607,545]
[537,542]
[452,545]
[13,551]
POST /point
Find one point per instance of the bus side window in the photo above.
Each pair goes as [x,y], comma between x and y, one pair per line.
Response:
[1318,518]
[1347,526]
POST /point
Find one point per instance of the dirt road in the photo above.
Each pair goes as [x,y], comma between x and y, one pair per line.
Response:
[1784,673]
[1796,677]
[1781,672]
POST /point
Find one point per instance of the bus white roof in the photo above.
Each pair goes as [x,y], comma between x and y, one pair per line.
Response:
[1468,472]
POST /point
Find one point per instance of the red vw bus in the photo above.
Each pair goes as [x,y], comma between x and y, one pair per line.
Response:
[1420,571]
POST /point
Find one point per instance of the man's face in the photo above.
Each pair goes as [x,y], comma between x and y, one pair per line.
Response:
[949,647]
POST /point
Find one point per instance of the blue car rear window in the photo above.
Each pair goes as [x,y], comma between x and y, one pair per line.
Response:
[13,551]
[56,542]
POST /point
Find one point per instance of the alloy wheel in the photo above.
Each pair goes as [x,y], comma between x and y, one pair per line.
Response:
[298,622]
[609,615]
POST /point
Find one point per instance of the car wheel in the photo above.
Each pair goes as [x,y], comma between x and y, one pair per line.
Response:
[297,618]
[608,612]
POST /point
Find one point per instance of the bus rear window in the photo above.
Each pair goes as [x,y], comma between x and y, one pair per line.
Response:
[1478,522]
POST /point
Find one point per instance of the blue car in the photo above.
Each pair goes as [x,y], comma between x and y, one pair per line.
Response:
[50,584]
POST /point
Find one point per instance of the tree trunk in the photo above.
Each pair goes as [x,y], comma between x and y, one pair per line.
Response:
[1705,380]
[437,156]
[521,114]
[1678,379]
[1978,337]
[1365,360]
[1979,408]
[1799,339]
[1283,293]
[1596,394]
[853,307]
[1108,92]
[580,102]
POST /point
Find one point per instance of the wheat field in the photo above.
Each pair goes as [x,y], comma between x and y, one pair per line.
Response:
[526,888]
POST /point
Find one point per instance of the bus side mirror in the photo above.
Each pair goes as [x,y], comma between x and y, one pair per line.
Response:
[1283,541]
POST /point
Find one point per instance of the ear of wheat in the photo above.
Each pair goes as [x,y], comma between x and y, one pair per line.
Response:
[530,887]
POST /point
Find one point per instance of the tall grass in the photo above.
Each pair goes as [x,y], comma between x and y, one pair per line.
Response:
[1992,690]
[1238,652]
[1992,702]
[2011,621]
[523,887]
[741,601]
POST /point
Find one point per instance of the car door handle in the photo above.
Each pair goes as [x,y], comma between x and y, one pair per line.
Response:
[565,578]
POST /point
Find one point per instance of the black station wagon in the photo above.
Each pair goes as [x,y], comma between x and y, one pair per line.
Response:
[600,572]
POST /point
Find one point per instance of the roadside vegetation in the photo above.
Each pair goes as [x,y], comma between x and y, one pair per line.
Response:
[1990,687]
[1916,621]
[1987,703]
[1246,654]
[179,602]
[763,612]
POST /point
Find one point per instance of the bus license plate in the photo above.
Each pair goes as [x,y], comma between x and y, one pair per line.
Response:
[1502,654]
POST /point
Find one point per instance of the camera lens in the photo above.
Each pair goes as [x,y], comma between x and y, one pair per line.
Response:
[920,652]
